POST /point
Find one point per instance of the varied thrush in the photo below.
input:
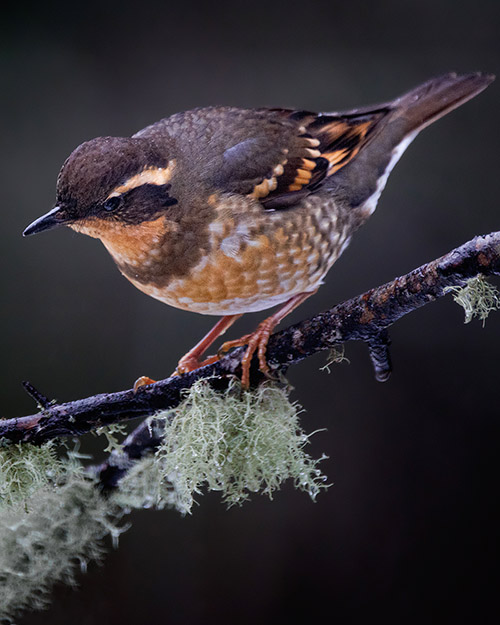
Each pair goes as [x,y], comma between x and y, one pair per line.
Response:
[225,211]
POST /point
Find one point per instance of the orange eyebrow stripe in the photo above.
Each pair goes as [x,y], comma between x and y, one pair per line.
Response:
[150,175]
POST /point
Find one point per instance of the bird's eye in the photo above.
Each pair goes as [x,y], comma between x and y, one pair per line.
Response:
[112,203]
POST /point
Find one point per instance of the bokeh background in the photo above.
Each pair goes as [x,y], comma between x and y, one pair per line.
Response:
[409,530]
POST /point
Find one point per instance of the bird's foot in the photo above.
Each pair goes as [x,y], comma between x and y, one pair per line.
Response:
[186,363]
[190,362]
[255,342]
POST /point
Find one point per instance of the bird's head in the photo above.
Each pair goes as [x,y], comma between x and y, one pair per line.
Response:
[110,184]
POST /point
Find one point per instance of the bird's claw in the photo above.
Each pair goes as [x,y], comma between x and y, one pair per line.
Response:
[255,342]
[144,380]
[191,363]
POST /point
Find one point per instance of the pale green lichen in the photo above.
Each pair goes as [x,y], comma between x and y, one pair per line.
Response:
[110,432]
[478,298]
[144,486]
[49,535]
[53,518]
[24,469]
[237,442]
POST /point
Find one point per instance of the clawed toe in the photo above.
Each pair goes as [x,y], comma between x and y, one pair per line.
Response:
[257,343]
[229,345]
[189,363]
[144,380]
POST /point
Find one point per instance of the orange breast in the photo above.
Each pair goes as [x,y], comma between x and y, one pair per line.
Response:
[253,264]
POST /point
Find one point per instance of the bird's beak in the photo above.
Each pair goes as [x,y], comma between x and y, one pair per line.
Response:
[56,217]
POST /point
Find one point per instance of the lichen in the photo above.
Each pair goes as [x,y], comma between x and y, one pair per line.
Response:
[24,469]
[110,432]
[478,298]
[237,442]
[53,517]
[144,486]
[336,356]
[50,534]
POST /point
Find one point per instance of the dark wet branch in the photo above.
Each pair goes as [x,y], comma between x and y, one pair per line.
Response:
[364,318]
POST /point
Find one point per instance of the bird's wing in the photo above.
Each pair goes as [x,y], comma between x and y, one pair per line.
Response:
[281,167]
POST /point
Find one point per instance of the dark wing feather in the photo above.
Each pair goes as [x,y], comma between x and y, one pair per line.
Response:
[313,148]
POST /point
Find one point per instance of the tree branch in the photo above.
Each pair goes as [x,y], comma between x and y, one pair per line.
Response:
[364,318]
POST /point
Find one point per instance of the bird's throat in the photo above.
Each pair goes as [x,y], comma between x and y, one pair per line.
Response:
[129,244]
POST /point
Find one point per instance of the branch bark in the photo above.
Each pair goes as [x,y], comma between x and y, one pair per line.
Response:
[364,318]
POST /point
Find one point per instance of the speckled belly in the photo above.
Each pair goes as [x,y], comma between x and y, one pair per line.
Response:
[255,264]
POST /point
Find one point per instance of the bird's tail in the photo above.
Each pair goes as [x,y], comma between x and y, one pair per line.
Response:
[392,128]
[428,102]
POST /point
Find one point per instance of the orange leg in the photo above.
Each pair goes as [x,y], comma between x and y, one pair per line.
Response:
[257,341]
[191,361]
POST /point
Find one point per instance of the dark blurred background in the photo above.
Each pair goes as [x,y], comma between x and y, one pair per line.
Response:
[409,530]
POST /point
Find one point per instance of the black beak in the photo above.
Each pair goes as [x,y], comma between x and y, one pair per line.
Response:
[56,217]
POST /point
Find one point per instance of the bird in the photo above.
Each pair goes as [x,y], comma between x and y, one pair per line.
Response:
[226,211]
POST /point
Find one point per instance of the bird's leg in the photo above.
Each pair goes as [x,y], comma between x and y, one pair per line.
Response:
[257,341]
[191,361]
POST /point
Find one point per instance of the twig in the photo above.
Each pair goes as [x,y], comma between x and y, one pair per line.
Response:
[364,318]
[40,398]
